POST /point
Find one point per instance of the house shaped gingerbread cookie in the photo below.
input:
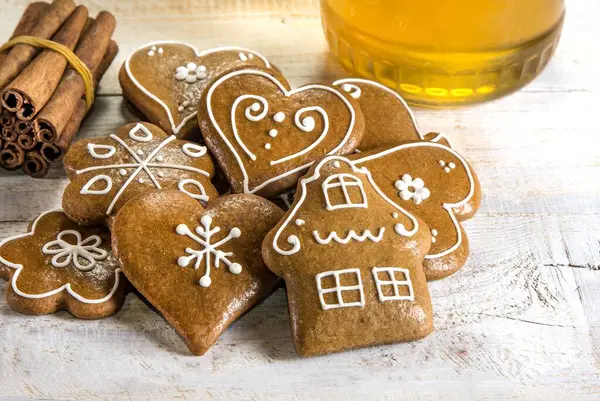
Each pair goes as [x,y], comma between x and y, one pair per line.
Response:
[352,262]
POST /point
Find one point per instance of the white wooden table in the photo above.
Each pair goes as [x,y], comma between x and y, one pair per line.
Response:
[520,321]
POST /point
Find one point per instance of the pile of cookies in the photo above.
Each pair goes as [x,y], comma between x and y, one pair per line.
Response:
[330,187]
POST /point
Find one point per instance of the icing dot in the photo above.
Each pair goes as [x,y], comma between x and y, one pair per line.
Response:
[123,171]
[181,229]
[447,169]
[299,222]
[205,281]
[243,57]
[160,50]
[201,75]
[141,180]
[151,53]
[279,117]
[235,268]
[267,146]
[255,107]
[273,133]
[235,232]
[180,109]
[250,56]
[202,68]
[442,163]
[161,174]
[191,66]
[139,152]
[434,232]
[451,165]
[159,158]
[337,164]
[395,215]
[186,103]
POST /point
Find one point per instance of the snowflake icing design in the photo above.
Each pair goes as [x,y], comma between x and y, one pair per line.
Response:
[203,237]
[153,161]
[190,73]
[412,189]
[65,252]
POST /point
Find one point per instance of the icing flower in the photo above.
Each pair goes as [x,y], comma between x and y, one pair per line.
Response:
[412,189]
[190,73]
[65,252]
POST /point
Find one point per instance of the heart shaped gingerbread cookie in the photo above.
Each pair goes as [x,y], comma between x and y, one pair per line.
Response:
[164,80]
[264,136]
[201,268]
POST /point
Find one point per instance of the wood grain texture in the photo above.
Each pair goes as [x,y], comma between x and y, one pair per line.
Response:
[520,321]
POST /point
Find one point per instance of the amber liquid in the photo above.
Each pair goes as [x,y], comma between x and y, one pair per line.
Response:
[444,52]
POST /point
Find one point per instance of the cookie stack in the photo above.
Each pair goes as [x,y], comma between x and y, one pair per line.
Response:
[330,187]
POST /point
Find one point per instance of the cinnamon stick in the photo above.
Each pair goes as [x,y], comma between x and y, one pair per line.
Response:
[8,134]
[11,156]
[35,165]
[54,151]
[27,141]
[53,118]
[30,17]
[20,55]
[22,127]
[34,86]
[7,119]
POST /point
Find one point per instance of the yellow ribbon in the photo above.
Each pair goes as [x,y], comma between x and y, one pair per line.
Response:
[74,61]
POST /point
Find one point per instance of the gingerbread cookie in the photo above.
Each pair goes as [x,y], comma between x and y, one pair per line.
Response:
[432,181]
[388,119]
[165,79]
[106,172]
[201,268]
[264,136]
[351,259]
[59,265]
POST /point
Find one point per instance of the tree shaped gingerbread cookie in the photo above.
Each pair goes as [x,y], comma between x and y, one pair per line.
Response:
[265,136]
[59,265]
[435,183]
[352,262]
[106,172]
[164,80]
[201,268]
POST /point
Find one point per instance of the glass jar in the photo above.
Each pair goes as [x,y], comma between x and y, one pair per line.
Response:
[444,52]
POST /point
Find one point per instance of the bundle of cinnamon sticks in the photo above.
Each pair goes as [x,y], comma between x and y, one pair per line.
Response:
[42,101]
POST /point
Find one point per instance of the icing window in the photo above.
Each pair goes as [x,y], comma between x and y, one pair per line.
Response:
[344,191]
[340,289]
[393,284]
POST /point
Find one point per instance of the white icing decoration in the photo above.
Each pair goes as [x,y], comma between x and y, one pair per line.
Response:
[141,180]
[176,128]
[203,237]
[395,215]
[287,94]
[85,190]
[295,241]
[139,165]
[146,134]
[344,181]
[352,235]
[160,174]
[287,198]
[337,164]
[273,133]
[338,289]
[447,167]
[279,117]
[180,109]
[193,150]
[451,165]
[123,171]
[442,163]
[92,149]
[160,50]
[159,158]
[262,106]
[410,188]
[267,146]
[449,207]
[188,181]
[140,152]
[190,73]
[153,50]
[352,90]
[243,57]
[66,253]
[434,234]
[394,283]
[65,287]
[300,222]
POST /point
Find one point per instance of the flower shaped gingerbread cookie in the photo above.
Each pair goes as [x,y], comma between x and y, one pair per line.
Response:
[164,80]
[436,183]
[201,268]
[61,265]
[264,136]
[107,172]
